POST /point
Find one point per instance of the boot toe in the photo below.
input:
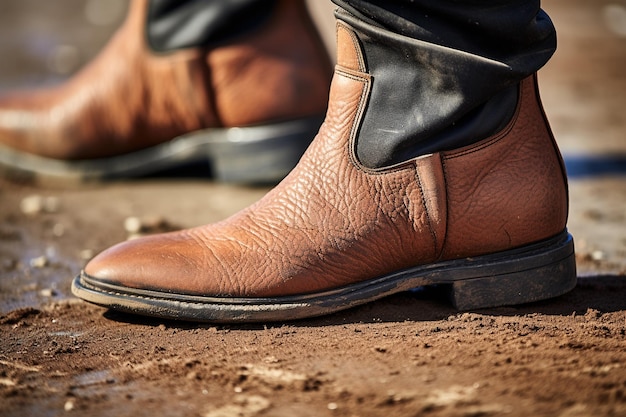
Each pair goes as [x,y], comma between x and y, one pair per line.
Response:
[147,263]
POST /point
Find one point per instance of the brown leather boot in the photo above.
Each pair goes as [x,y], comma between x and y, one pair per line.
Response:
[250,105]
[487,220]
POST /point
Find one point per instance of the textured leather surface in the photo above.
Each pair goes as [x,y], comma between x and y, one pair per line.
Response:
[509,189]
[129,98]
[332,223]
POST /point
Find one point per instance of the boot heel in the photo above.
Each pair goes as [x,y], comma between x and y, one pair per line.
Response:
[261,154]
[541,274]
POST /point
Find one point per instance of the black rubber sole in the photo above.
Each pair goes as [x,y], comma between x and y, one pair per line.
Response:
[531,273]
[248,155]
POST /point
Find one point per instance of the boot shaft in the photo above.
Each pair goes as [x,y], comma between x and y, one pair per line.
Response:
[495,192]
[270,67]
[428,97]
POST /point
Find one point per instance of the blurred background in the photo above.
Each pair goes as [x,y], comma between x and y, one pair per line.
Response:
[43,42]
[583,86]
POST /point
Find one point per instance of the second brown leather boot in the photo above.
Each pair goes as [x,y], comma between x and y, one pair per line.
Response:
[487,220]
[249,102]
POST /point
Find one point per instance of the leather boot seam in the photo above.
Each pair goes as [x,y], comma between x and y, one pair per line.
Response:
[428,216]
[355,43]
[365,81]
[444,168]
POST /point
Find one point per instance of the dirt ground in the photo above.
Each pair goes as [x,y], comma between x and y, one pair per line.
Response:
[406,355]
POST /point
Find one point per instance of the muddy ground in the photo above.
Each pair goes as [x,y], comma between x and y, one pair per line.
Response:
[407,355]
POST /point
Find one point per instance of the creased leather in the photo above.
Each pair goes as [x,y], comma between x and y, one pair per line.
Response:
[129,98]
[330,223]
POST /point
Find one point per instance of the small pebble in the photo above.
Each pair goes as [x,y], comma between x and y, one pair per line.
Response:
[47,292]
[132,225]
[32,204]
[69,405]
[137,227]
[35,204]
[597,255]
[39,262]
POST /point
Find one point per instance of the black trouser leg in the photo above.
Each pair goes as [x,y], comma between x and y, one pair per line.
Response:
[517,33]
[175,24]
[444,72]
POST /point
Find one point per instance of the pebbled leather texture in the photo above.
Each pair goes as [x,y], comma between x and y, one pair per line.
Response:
[331,223]
[129,98]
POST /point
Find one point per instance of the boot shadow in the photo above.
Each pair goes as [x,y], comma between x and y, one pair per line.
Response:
[604,293]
